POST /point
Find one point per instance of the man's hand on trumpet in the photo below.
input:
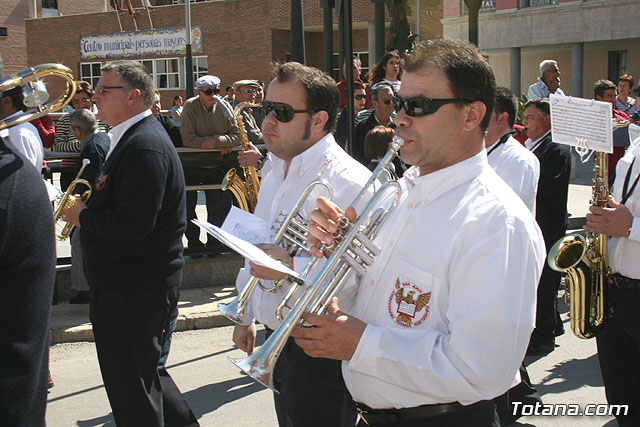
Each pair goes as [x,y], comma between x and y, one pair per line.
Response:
[72,214]
[265,273]
[335,335]
[324,224]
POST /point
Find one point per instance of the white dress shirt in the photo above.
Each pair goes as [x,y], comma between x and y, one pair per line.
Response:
[117,131]
[279,193]
[465,254]
[518,167]
[624,253]
[540,90]
[25,139]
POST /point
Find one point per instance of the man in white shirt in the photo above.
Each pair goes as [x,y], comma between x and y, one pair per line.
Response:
[443,316]
[300,113]
[23,138]
[619,341]
[520,169]
[549,81]
[516,165]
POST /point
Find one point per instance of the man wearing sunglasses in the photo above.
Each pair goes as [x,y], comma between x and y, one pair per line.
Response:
[204,125]
[247,91]
[300,113]
[443,315]
[382,114]
[359,99]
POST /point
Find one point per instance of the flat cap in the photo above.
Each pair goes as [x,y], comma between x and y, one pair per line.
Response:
[241,83]
[207,82]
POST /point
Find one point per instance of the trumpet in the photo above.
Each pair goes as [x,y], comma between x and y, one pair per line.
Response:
[35,92]
[68,199]
[353,251]
[294,232]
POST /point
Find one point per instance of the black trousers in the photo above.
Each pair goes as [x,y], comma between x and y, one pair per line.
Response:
[127,326]
[523,392]
[312,391]
[218,202]
[547,303]
[479,415]
[619,354]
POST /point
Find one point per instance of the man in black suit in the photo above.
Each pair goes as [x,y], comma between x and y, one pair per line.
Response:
[381,115]
[551,215]
[27,275]
[131,234]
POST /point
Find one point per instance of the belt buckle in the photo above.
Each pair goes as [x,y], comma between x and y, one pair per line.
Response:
[361,412]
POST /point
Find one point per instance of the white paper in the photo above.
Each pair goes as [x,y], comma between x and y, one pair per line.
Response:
[246,249]
[52,191]
[634,134]
[246,226]
[583,123]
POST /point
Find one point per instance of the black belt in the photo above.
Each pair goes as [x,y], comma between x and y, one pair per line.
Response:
[625,282]
[393,416]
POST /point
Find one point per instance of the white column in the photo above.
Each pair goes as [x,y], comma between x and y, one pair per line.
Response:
[577,69]
[514,70]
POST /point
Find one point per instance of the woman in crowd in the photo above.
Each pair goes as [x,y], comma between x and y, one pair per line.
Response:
[388,70]
[176,110]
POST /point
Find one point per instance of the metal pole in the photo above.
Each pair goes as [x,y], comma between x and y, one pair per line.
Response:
[327,34]
[380,32]
[189,58]
[418,20]
[297,32]
[348,54]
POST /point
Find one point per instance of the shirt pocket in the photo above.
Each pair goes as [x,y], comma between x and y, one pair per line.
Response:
[413,295]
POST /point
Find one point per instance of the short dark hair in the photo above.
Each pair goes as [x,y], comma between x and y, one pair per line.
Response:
[17,99]
[627,78]
[603,85]
[376,142]
[541,104]
[357,86]
[470,76]
[83,119]
[226,89]
[320,89]
[506,102]
[136,76]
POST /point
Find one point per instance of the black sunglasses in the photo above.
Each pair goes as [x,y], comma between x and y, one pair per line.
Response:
[282,112]
[208,92]
[419,106]
[359,97]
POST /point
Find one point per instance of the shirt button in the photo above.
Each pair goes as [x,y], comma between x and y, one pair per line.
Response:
[390,243]
[425,201]
[372,282]
[410,206]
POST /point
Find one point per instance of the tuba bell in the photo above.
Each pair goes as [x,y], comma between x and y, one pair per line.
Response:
[68,199]
[35,92]
[245,192]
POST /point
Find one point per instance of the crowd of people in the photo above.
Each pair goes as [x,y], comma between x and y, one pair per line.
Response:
[428,334]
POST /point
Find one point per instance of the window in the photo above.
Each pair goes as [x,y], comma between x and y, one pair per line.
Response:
[364,65]
[617,64]
[200,67]
[3,31]
[90,72]
[49,4]
[167,73]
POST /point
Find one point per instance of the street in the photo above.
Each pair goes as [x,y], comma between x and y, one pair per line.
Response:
[221,396]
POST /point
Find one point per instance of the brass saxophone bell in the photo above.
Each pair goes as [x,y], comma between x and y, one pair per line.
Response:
[567,252]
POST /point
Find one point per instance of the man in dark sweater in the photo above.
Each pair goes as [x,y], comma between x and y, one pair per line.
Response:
[131,234]
[27,274]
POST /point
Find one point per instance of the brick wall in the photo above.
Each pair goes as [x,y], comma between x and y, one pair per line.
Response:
[452,8]
[13,47]
[73,7]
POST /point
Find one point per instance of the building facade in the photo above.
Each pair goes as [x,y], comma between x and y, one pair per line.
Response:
[590,39]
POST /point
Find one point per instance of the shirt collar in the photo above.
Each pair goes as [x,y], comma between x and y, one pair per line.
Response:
[431,186]
[535,144]
[304,161]
[119,130]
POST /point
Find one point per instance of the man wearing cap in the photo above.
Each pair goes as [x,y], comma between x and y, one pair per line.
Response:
[247,91]
[207,123]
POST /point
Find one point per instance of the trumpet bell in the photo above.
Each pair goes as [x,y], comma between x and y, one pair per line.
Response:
[567,252]
[231,311]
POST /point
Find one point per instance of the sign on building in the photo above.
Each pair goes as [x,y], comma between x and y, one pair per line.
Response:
[162,42]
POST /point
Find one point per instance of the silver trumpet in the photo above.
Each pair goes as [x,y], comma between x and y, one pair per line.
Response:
[293,231]
[353,250]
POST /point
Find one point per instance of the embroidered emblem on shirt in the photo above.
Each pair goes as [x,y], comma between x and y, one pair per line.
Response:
[101,181]
[408,304]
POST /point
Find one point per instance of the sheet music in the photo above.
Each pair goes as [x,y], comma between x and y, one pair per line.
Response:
[247,226]
[580,122]
[246,249]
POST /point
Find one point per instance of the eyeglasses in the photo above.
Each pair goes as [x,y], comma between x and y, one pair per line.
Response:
[249,90]
[77,101]
[359,97]
[209,92]
[101,89]
[419,106]
[282,112]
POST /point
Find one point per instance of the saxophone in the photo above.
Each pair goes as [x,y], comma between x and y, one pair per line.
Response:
[583,256]
[245,192]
